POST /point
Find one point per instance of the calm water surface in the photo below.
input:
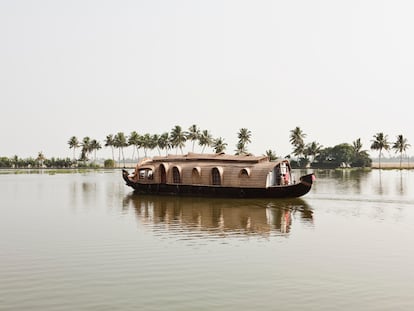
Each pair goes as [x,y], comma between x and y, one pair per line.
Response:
[83,241]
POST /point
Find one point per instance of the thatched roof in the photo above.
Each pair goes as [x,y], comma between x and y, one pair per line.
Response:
[212,157]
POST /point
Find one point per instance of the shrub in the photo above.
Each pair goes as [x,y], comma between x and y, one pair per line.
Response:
[109,163]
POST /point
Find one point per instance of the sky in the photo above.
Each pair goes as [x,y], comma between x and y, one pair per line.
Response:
[339,70]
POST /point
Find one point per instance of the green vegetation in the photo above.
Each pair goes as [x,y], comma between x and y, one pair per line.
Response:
[73,144]
[297,140]
[401,145]
[271,155]
[303,155]
[380,142]
[219,145]
[40,162]
[120,142]
[244,136]
[342,155]
[109,163]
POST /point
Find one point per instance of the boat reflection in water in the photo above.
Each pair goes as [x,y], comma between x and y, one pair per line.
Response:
[222,217]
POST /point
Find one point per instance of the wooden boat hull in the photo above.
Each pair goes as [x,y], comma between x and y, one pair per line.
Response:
[289,191]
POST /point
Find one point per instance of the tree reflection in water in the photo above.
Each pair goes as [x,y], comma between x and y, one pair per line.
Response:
[218,216]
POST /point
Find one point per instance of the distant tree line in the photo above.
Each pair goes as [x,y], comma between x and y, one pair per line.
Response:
[304,155]
[39,162]
[176,140]
[344,154]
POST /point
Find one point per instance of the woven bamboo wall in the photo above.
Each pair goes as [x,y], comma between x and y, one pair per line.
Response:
[200,172]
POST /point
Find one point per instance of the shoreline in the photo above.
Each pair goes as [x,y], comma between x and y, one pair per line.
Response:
[132,165]
[393,165]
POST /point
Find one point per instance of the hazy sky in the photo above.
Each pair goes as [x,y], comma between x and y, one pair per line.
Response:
[340,70]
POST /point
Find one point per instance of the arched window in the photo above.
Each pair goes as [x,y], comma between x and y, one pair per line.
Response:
[163,174]
[176,175]
[216,178]
[196,175]
[244,173]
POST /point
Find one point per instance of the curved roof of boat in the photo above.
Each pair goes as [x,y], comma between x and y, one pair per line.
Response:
[193,157]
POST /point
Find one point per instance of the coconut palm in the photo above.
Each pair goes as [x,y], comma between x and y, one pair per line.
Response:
[380,142]
[120,142]
[15,161]
[73,144]
[178,138]
[109,142]
[357,145]
[164,142]
[94,146]
[312,149]
[135,141]
[240,149]
[299,150]
[219,145]
[155,143]
[297,137]
[401,145]
[193,134]
[146,142]
[40,158]
[271,155]
[244,136]
[205,140]
[360,157]
[86,148]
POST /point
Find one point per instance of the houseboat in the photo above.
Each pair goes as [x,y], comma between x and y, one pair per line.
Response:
[217,175]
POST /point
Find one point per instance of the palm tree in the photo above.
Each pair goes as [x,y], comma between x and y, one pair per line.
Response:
[357,146]
[205,140]
[146,142]
[193,134]
[240,149]
[120,142]
[380,142]
[40,158]
[164,142]
[73,143]
[178,138]
[219,145]
[360,157]
[401,145]
[244,136]
[15,161]
[135,141]
[271,155]
[86,148]
[297,137]
[154,143]
[94,146]
[109,142]
[312,149]
[299,150]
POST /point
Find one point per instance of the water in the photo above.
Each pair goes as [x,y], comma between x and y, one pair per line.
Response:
[83,241]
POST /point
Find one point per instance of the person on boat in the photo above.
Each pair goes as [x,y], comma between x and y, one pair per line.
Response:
[286,179]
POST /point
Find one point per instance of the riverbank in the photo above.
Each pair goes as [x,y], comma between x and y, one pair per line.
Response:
[131,165]
[393,165]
